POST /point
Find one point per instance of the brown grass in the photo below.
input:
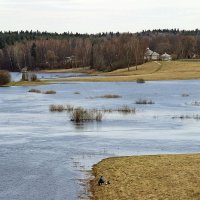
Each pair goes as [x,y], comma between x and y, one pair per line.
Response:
[79,115]
[109,96]
[35,91]
[56,108]
[126,109]
[49,92]
[42,92]
[172,177]
[173,70]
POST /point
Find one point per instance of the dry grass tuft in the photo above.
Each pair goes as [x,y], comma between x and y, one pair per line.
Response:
[42,92]
[109,96]
[148,177]
[185,95]
[196,117]
[126,109]
[35,91]
[83,115]
[196,103]
[144,101]
[76,92]
[49,92]
[56,108]
[140,80]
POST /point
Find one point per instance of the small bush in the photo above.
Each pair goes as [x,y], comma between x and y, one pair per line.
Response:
[140,80]
[5,77]
[35,91]
[144,101]
[33,77]
[76,92]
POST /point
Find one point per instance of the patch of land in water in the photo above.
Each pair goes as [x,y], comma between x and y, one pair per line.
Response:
[148,177]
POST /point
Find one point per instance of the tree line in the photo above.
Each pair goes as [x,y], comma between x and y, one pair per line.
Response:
[103,51]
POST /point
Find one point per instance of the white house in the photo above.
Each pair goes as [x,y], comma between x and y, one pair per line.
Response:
[151,55]
[155,56]
[166,57]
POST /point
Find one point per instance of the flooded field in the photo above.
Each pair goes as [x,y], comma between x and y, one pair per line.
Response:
[44,155]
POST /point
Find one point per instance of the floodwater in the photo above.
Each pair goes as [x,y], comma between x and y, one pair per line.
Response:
[45,156]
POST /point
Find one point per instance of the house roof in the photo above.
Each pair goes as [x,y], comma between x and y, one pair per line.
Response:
[155,54]
[148,52]
[165,55]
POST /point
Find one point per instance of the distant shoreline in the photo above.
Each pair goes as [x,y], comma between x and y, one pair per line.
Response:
[151,71]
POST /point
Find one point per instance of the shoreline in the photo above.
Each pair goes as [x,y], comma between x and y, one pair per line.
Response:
[173,176]
[97,79]
[151,71]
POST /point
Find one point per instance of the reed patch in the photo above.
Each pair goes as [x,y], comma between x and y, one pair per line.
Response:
[144,101]
[42,92]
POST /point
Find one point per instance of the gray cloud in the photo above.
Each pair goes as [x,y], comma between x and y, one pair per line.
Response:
[98,15]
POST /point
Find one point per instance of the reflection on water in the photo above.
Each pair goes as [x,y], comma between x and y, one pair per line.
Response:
[16,76]
[43,155]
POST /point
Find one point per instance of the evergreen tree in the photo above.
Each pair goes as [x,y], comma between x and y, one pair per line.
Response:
[33,51]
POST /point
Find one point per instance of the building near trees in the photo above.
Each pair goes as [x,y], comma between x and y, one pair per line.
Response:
[166,57]
[151,55]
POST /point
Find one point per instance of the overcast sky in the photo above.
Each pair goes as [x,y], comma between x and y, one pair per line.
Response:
[94,16]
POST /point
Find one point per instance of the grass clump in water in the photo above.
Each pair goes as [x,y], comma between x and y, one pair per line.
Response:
[196,117]
[185,95]
[144,101]
[79,115]
[56,108]
[49,92]
[42,92]
[35,91]
[109,96]
[69,108]
[196,103]
[126,109]
[76,92]
[140,80]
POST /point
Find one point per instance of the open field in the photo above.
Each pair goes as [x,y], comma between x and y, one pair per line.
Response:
[148,177]
[77,70]
[172,70]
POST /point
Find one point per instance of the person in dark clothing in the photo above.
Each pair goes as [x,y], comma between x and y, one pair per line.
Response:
[101,181]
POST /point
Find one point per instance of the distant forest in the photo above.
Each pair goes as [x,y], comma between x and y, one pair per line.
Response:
[103,51]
